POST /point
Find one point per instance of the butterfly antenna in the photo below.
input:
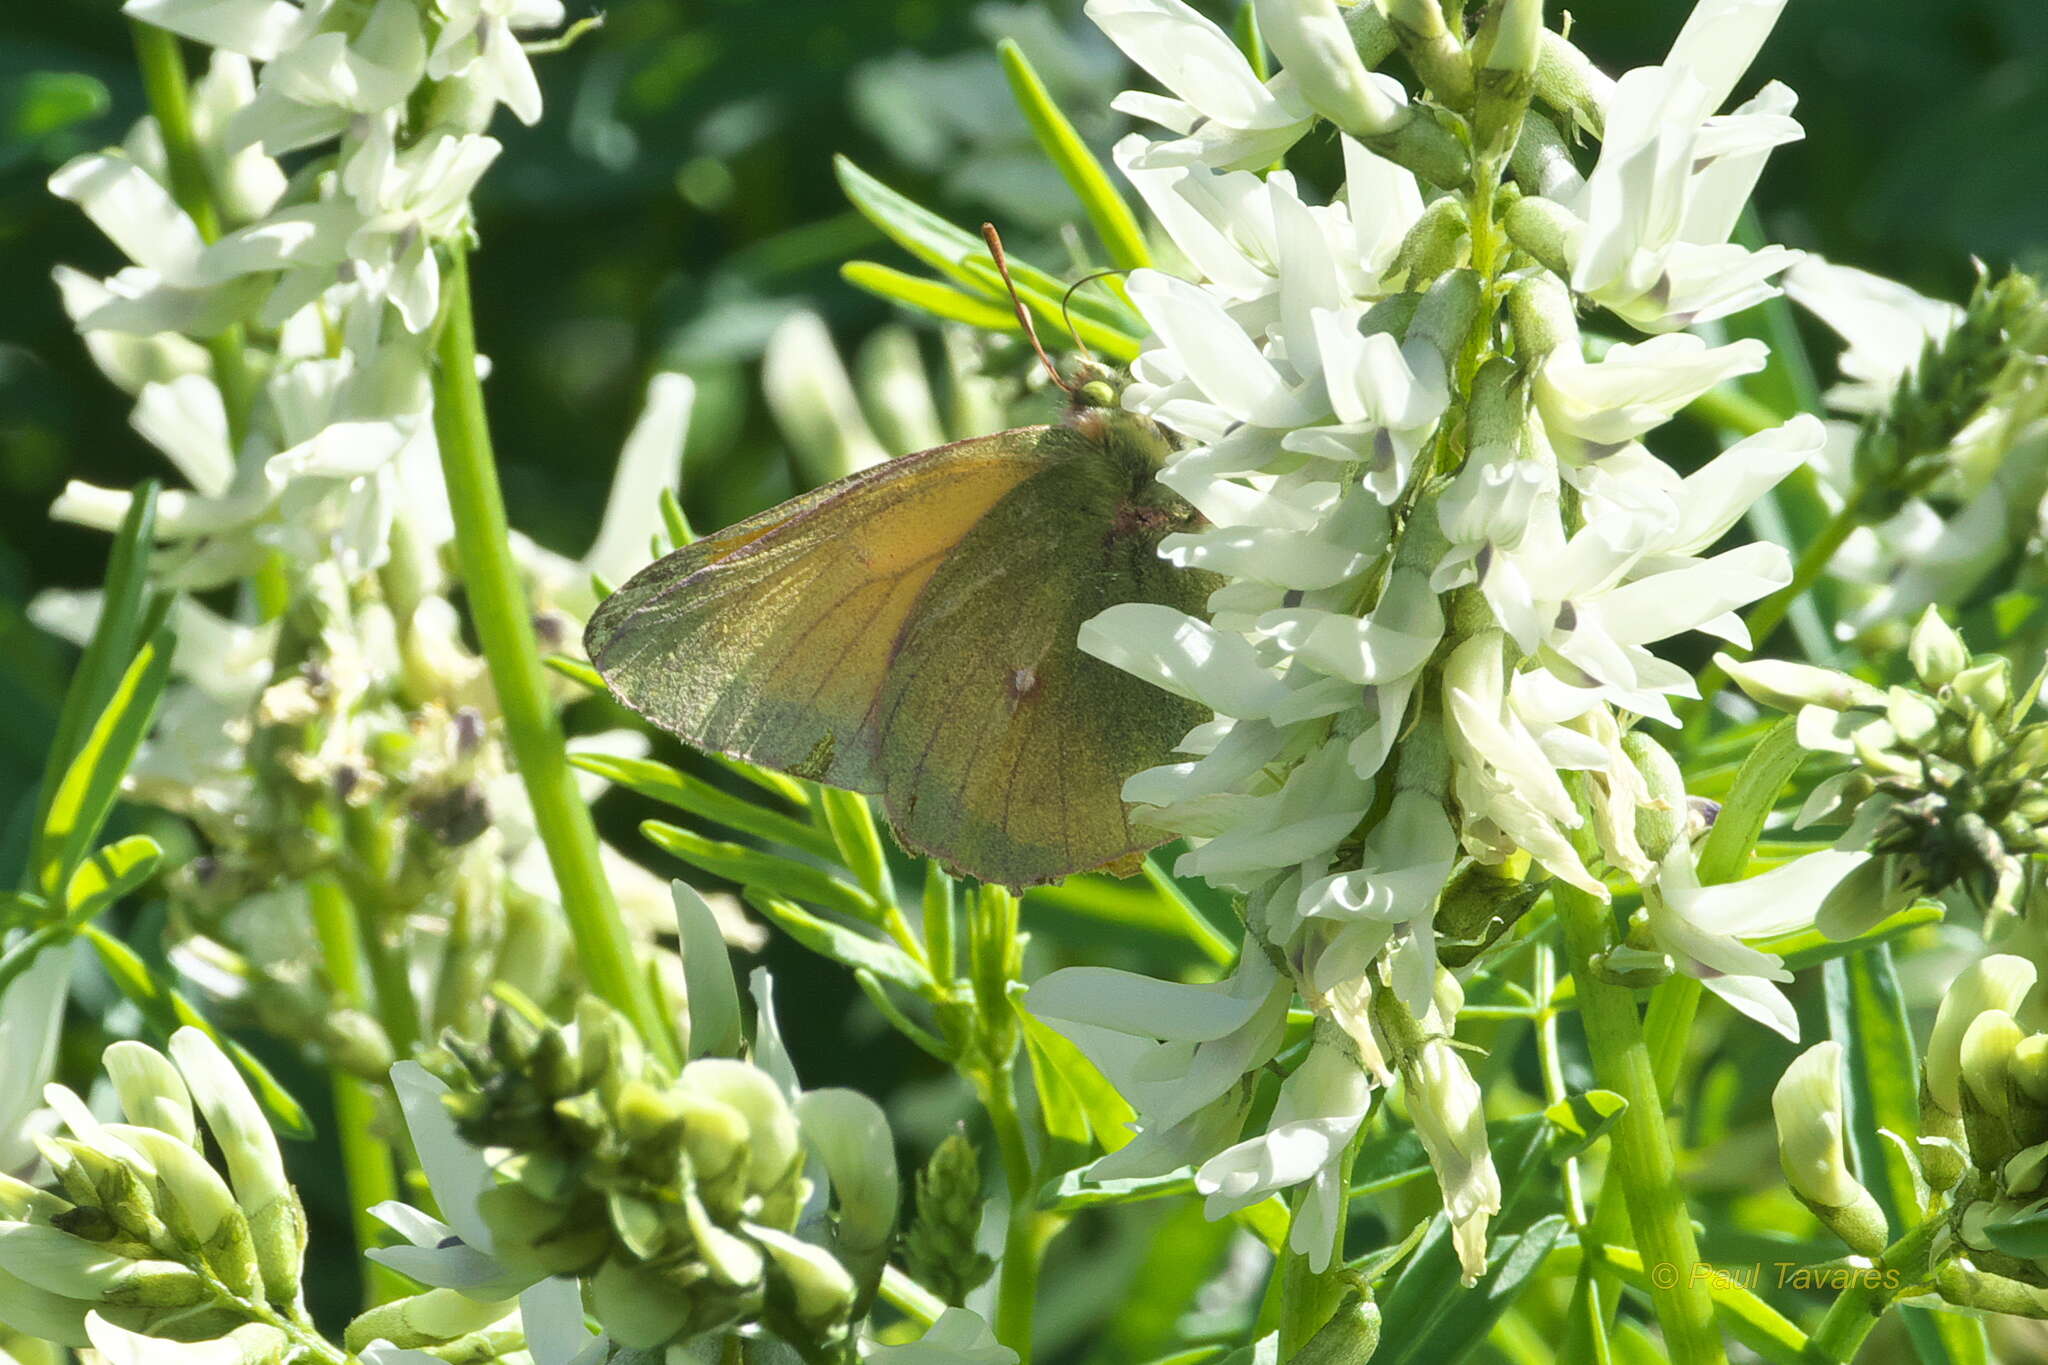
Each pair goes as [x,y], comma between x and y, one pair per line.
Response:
[995,250]
[1067,309]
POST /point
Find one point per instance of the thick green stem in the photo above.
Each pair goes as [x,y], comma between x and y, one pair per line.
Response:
[366,1159]
[1666,1026]
[1643,1162]
[1859,1307]
[163,80]
[504,624]
[1309,1300]
[1024,1242]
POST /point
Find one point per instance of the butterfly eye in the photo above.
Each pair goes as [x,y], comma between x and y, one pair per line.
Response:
[1096,394]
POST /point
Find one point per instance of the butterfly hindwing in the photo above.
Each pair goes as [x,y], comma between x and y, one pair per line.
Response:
[770,640]
[1003,747]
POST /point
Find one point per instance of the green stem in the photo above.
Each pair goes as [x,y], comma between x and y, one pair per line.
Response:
[1643,1161]
[1857,1309]
[163,79]
[1667,1024]
[364,872]
[1193,922]
[910,1298]
[1023,1243]
[366,1160]
[504,624]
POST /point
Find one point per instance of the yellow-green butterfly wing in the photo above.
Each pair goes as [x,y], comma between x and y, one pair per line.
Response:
[909,632]
[769,641]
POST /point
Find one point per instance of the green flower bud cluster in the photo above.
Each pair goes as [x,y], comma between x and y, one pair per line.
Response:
[1904,447]
[675,1197]
[143,1234]
[1984,1124]
[938,1247]
[1948,786]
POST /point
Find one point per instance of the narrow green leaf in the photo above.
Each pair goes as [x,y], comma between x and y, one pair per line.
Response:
[755,870]
[85,795]
[843,945]
[798,794]
[576,671]
[673,787]
[1881,1071]
[1432,1321]
[111,873]
[934,297]
[167,1010]
[680,532]
[124,604]
[1810,947]
[878,995]
[851,822]
[1056,312]
[1725,854]
[1751,1321]
[949,249]
[1111,217]
[1881,1079]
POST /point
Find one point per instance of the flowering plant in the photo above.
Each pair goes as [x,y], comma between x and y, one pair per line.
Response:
[1429,358]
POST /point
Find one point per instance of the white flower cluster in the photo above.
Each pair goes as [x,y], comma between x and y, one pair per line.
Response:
[1447,555]
[335,434]
[277,344]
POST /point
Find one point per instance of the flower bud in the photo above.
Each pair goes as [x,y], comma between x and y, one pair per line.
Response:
[1432,49]
[1986,686]
[1988,1090]
[810,1295]
[1997,982]
[1937,653]
[1440,240]
[1505,51]
[1807,1104]
[1309,38]
[1540,311]
[151,1092]
[1664,821]
[1352,1334]
[2030,1067]
[429,1319]
[1790,686]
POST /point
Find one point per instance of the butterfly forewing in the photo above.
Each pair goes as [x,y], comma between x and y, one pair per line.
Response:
[770,640]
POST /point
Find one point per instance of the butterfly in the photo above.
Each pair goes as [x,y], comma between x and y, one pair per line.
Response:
[908,631]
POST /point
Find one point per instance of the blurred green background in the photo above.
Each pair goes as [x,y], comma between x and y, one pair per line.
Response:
[678,200]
